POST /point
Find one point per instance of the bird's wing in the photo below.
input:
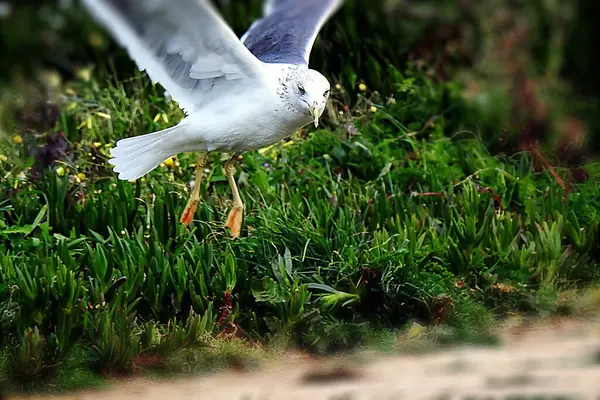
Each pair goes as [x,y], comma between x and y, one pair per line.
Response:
[184,45]
[288,29]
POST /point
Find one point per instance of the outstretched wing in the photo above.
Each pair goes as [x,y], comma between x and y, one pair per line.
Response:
[288,29]
[183,44]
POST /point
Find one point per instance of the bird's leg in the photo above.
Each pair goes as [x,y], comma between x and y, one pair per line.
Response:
[190,208]
[234,219]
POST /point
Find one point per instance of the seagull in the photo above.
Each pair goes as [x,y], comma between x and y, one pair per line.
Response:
[237,94]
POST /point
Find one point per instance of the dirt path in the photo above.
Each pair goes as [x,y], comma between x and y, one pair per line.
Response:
[552,361]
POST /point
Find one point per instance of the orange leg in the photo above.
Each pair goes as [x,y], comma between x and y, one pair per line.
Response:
[192,204]
[236,215]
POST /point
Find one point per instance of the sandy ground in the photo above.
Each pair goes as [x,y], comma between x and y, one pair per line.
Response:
[554,361]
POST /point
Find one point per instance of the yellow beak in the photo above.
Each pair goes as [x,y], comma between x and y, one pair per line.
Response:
[314,110]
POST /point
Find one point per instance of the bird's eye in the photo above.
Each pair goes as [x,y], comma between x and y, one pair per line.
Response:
[301,90]
[326,93]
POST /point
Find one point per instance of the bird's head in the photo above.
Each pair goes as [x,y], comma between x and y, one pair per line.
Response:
[312,91]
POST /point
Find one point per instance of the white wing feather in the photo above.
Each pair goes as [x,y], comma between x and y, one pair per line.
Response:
[184,45]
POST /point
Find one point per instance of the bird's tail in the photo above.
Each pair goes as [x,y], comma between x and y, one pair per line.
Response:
[134,157]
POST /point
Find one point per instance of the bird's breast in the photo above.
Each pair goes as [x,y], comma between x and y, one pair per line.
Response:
[239,123]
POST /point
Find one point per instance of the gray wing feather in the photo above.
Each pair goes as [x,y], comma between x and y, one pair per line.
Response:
[288,29]
[182,44]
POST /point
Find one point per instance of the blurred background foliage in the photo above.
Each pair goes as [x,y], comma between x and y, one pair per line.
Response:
[530,64]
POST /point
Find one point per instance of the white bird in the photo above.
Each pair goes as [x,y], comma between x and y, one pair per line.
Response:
[237,94]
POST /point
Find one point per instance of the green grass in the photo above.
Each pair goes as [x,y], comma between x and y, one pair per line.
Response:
[394,211]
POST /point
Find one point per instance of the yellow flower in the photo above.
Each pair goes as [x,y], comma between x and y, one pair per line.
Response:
[60,171]
[373,109]
[17,139]
[338,86]
[97,144]
[170,162]
[362,87]
[81,176]
[3,158]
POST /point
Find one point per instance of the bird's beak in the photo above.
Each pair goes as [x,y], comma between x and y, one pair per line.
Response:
[314,111]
